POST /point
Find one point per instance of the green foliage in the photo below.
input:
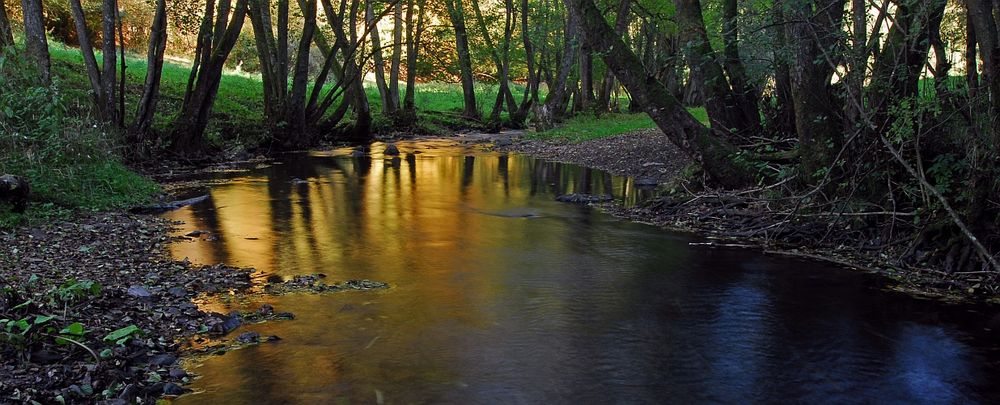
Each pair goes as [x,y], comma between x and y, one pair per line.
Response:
[123,335]
[70,162]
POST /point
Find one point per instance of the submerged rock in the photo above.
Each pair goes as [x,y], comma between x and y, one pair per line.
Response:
[248,337]
[173,389]
[646,182]
[391,150]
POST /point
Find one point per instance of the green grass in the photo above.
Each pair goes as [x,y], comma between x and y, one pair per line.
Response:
[70,162]
[587,127]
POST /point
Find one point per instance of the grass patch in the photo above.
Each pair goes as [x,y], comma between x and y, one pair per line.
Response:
[587,127]
[70,162]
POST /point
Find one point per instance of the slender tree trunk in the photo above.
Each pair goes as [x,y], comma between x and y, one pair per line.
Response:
[971,61]
[397,54]
[388,107]
[702,144]
[896,74]
[555,102]
[785,107]
[295,114]
[123,66]
[413,36]
[586,78]
[500,59]
[745,95]
[87,52]
[36,45]
[457,14]
[608,83]
[109,73]
[189,126]
[6,33]
[530,96]
[154,70]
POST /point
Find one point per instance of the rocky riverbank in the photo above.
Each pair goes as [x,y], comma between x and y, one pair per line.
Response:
[754,219]
[94,309]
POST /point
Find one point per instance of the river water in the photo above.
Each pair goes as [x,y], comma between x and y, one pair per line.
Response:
[502,295]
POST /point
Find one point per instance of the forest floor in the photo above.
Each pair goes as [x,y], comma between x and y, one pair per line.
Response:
[750,219]
[92,308]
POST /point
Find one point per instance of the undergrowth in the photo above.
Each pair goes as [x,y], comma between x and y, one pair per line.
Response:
[69,161]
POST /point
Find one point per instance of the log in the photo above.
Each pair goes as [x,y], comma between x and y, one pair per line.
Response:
[164,207]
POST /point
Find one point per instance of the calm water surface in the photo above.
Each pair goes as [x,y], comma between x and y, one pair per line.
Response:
[502,295]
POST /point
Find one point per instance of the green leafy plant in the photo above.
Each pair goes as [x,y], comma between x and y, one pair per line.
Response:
[123,335]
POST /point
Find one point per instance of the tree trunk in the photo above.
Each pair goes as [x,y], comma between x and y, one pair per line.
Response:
[815,115]
[586,92]
[555,102]
[987,37]
[301,134]
[6,33]
[457,14]
[189,126]
[109,72]
[36,45]
[984,175]
[971,62]
[702,144]
[397,54]
[744,93]
[784,120]
[154,70]
[413,36]
[388,107]
[608,83]
[896,74]
[724,109]
[500,60]
[87,51]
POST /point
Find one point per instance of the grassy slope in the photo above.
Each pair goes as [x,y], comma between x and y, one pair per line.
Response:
[238,111]
[70,162]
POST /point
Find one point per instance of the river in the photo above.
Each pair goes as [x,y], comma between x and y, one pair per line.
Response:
[499,294]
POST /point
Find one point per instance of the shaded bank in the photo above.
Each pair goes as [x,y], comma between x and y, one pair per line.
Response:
[758,217]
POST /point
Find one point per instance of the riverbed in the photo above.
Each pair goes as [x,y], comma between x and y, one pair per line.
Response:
[500,294]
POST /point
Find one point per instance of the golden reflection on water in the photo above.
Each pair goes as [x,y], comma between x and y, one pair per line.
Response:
[441,223]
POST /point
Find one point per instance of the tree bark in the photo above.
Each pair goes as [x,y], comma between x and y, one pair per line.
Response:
[724,108]
[36,45]
[397,54]
[987,37]
[388,107]
[702,144]
[457,14]
[189,126]
[555,102]
[608,83]
[819,132]
[154,70]
[109,72]
[413,37]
